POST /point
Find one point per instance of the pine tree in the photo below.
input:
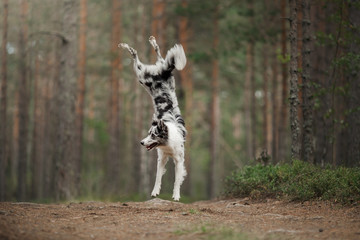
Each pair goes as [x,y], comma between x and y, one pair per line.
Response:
[66,98]
[186,79]
[23,106]
[114,148]
[81,89]
[294,101]
[307,89]
[3,104]
[215,111]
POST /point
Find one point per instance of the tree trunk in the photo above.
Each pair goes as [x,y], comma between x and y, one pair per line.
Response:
[275,109]
[215,113]
[158,24]
[284,91]
[294,101]
[80,90]
[113,158]
[23,106]
[299,67]
[320,61]
[354,93]
[3,100]
[186,79]
[144,109]
[90,133]
[15,137]
[248,104]
[37,144]
[66,98]
[307,89]
[48,139]
[266,122]
[135,127]
[253,108]
[52,120]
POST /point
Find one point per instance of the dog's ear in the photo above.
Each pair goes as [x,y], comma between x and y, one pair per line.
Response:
[162,126]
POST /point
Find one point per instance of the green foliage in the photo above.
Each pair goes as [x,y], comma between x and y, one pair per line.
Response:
[281,58]
[297,181]
[350,61]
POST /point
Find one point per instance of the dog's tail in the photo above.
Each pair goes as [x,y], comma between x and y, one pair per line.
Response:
[175,57]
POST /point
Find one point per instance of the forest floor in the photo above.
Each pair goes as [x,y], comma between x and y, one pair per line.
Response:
[162,219]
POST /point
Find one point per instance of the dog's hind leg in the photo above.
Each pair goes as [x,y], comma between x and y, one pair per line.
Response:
[162,160]
[153,43]
[180,173]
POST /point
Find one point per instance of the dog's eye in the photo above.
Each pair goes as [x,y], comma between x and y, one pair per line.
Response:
[153,135]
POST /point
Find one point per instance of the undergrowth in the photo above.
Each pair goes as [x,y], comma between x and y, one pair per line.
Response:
[297,181]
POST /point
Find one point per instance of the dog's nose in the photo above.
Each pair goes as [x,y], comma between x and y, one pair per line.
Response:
[142,143]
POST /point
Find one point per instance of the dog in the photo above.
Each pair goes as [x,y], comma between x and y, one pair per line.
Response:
[167,132]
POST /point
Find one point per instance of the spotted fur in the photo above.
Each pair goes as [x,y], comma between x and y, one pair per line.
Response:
[167,132]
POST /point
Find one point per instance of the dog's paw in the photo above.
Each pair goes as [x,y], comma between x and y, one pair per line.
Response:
[176,197]
[153,43]
[130,49]
[151,38]
[155,193]
[123,45]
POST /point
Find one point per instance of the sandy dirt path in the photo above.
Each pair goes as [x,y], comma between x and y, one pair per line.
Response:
[161,219]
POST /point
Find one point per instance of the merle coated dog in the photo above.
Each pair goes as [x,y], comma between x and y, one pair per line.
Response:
[167,133]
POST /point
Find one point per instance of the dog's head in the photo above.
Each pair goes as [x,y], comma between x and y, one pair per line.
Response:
[158,135]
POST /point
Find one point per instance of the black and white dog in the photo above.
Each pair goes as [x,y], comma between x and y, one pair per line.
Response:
[167,132]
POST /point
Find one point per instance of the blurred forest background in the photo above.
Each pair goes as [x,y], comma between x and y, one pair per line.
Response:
[266,81]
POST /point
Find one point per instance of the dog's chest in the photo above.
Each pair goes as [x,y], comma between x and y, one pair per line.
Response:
[167,150]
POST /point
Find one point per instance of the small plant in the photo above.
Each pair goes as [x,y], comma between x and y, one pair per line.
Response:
[204,230]
[193,211]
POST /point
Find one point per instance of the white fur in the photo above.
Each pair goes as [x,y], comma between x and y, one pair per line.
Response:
[174,149]
[177,52]
[174,146]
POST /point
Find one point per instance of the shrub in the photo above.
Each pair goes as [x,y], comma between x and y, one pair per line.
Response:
[297,181]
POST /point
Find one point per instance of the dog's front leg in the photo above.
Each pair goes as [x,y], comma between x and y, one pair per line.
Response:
[161,162]
[180,173]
